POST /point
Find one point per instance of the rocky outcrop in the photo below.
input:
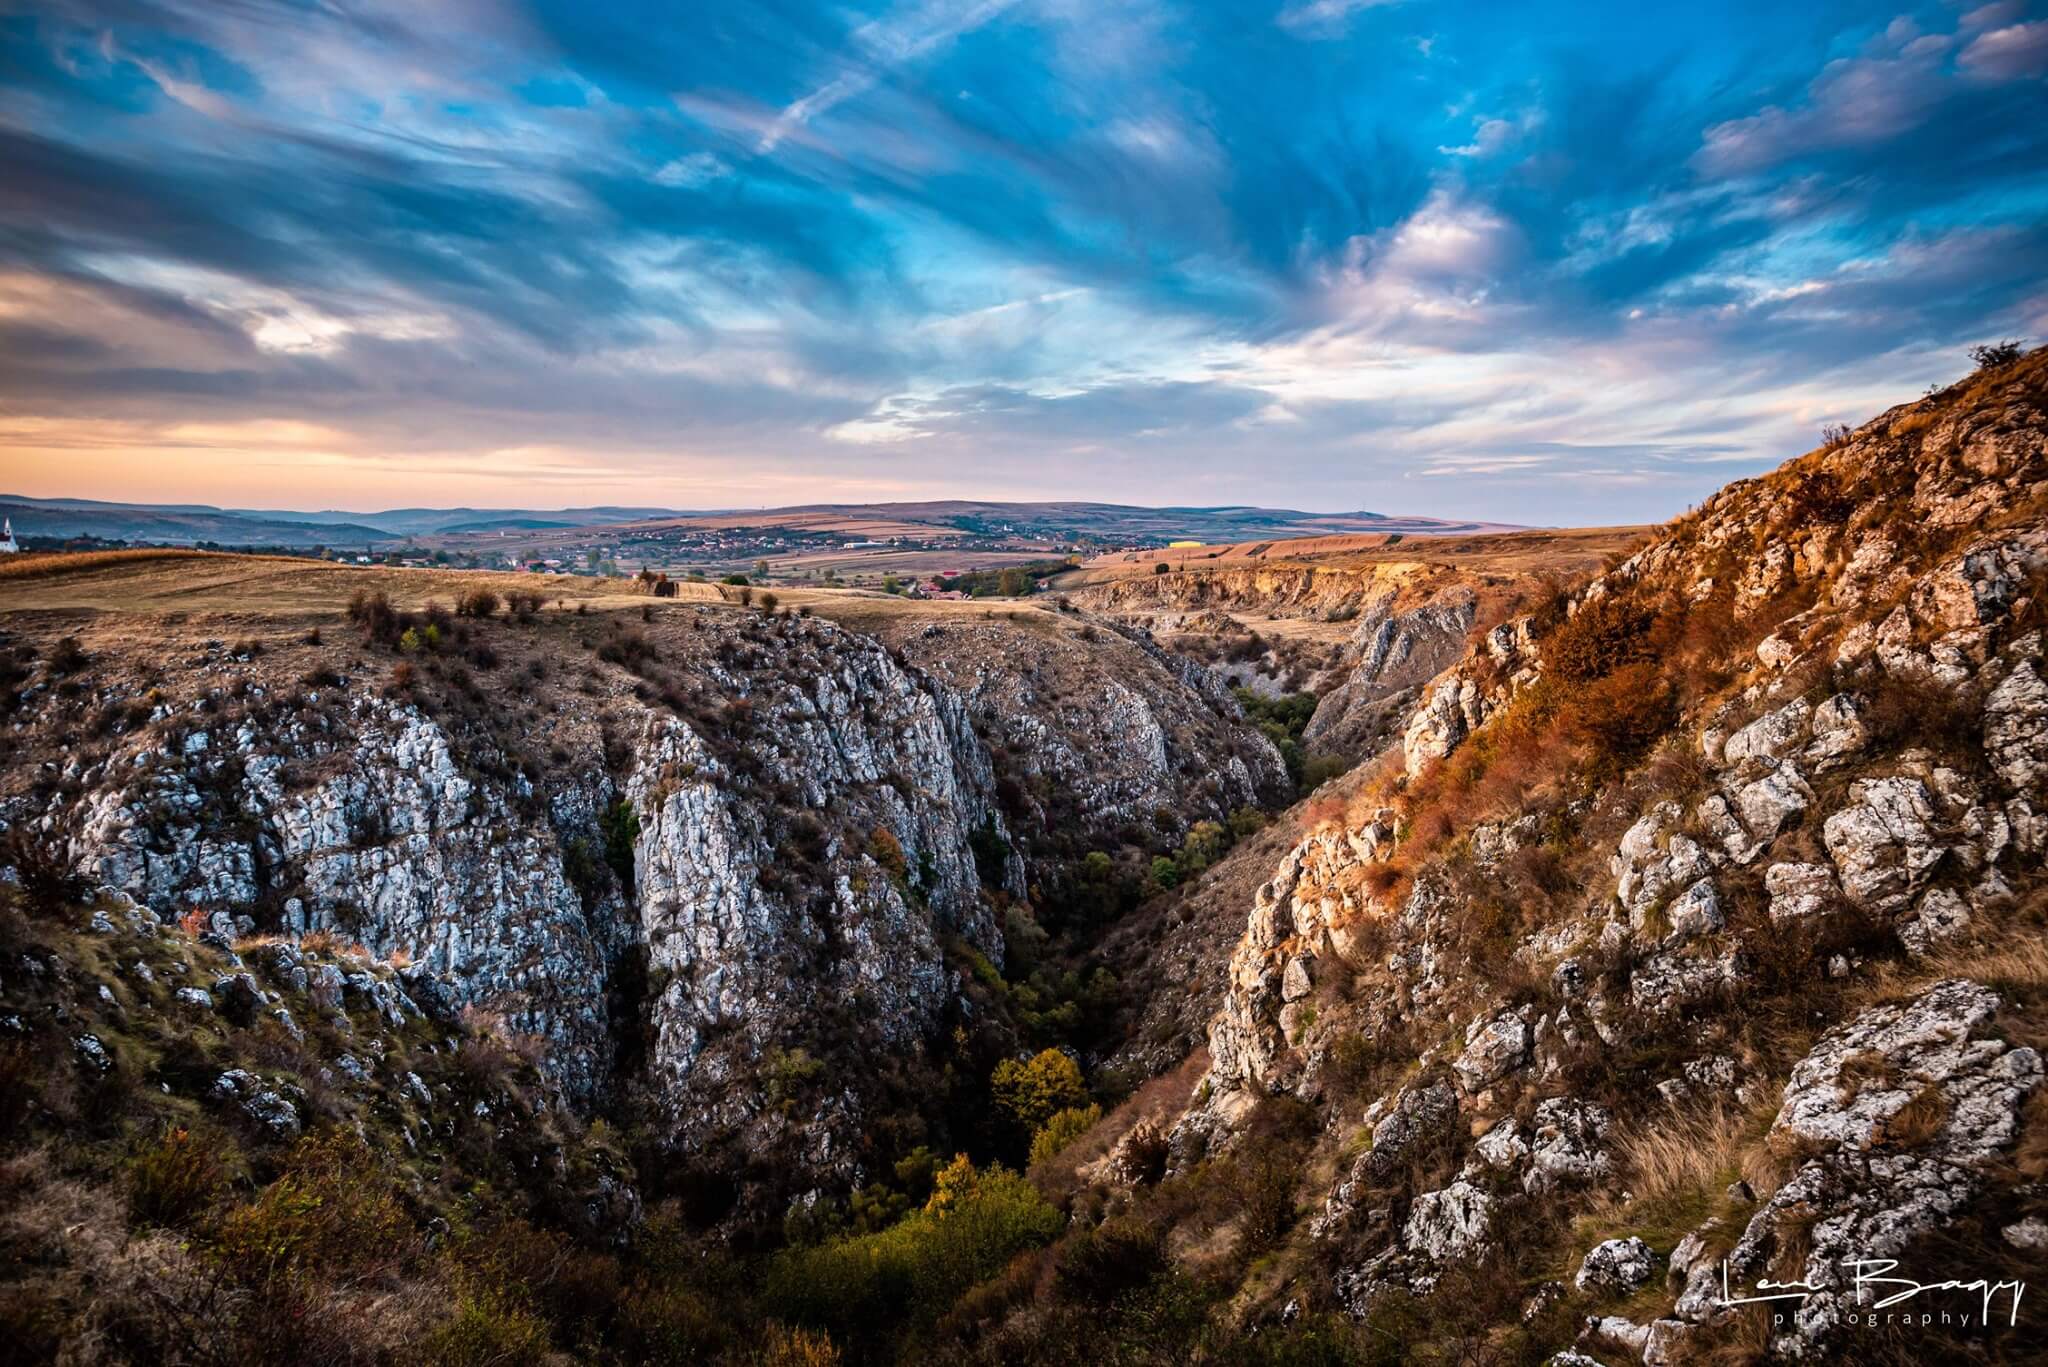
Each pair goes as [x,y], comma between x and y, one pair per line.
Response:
[1098,739]
[725,841]
[1901,1112]
[1391,656]
[1868,785]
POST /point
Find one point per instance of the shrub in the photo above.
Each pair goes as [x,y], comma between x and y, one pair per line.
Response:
[45,877]
[66,657]
[1320,769]
[1161,568]
[1625,713]
[174,1179]
[1030,1092]
[1264,1185]
[991,851]
[1601,637]
[975,1222]
[885,849]
[1119,1255]
[790,1071]
[487,1330]
[621,826]
[782,1346]
[667,1321]
[1817,496]
[628,648]
[375,615]
[476,603]
[1994,355]
[1060,1130]
[330,1211]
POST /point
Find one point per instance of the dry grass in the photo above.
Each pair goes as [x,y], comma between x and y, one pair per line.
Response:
[1678,1158]
[217,593]
[41,566]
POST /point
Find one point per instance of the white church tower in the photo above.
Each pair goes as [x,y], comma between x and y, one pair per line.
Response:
[7,546]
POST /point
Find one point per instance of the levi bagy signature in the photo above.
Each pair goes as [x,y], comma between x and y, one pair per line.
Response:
[1876,1289]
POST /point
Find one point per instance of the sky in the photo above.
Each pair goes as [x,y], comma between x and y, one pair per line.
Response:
[1556,264]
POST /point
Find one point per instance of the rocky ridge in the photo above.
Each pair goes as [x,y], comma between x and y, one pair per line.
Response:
[1863,795]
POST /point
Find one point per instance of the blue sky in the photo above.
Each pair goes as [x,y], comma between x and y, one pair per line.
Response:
[1557,264]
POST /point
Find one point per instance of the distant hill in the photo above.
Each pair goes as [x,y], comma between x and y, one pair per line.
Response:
[402,522]
[189,524]
[1114,521]
[177,525]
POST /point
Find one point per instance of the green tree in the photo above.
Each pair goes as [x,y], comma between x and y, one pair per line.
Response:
[1061,1130]
[1032,1091]
[621,830]
[1206,843]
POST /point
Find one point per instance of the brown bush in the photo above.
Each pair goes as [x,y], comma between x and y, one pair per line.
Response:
[175,1179]
[330,1214]
[477,603]
[1624,713]
[374,614]
[1601,637]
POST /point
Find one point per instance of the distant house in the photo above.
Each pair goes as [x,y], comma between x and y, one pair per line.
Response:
[7,543]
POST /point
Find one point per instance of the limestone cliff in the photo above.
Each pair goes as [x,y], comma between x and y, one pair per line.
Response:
[1499,980]
[688,855]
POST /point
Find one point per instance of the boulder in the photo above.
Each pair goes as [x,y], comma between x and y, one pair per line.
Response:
[1773,735]
[267,1108]
[1884,844]
[1494,1048]
[1616,1267]
[1447,1225]
[1799,891]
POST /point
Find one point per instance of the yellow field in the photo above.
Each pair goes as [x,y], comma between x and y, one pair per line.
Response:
[198,585]
[1567,551]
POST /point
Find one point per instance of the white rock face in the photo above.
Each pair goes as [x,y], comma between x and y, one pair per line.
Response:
[1616,1266]
[1451,711]
[1391,656]
[2016,729]
[1448,1224]
[1884,844]
[815,819]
